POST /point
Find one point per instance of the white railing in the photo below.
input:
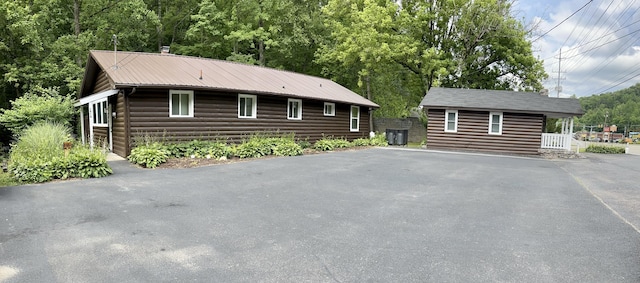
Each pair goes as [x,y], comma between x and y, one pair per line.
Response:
[556,141]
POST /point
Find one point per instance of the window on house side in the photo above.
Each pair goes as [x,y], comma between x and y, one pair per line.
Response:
[247,105]
[355,118]
[329,109]
[100,114]
[294,109]
[180,103]
[451,121]
[495,123]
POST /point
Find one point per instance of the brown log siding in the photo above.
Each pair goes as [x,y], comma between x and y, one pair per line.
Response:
[118,126]
[101,83]
[216,117]
[100,136]
[521,133]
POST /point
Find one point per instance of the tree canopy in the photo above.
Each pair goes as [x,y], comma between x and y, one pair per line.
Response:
[621,108]
[390,51]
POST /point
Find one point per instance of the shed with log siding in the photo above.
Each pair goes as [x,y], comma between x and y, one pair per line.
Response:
[494,120]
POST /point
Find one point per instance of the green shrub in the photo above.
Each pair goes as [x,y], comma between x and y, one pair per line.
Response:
[361,142]
[177,150]
[323,145]
[605,149]
[304,144]
[39,157]
[378,140]
[149,156]
[287,149]
[41,104]
[217,150]
[255,147]
[7,179]
[341,143]
[330,143]
[85,162]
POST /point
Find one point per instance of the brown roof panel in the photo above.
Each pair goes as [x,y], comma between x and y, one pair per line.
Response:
[159,70]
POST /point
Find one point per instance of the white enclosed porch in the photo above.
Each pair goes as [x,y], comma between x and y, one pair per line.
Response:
[561,140]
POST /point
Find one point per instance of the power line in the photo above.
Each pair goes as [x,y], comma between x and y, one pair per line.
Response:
[539,37]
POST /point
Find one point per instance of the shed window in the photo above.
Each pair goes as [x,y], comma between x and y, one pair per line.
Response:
[180,103]
[451,121]
[495,123]
[294,110]
[355,118]
[329,109]
[247,105]
[100,113]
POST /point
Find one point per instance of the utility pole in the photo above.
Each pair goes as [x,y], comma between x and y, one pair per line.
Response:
[558,86]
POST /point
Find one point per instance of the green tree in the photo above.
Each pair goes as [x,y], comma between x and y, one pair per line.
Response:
[40,104]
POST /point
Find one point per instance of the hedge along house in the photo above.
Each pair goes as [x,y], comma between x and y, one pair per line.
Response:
[125,95]
[496,120]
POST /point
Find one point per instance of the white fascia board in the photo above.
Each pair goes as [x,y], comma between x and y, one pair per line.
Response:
[94,97]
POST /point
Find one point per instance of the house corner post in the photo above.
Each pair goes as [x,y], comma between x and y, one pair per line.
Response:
[82,137]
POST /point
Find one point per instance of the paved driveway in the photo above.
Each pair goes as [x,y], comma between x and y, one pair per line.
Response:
[378,215]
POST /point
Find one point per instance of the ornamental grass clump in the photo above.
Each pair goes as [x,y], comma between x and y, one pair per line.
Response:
[38,156]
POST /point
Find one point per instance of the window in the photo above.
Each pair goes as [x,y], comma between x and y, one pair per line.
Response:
[329,109]
[451,121]
[495,123]
[294,110]
[355,118]
[180,103]
[100,111]
[247,106]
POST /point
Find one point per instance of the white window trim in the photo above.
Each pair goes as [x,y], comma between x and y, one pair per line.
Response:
[104,115]
[333,109]
[254,106]
[299,101]
[446,121]
[188,92]
[357,129]
[499,126]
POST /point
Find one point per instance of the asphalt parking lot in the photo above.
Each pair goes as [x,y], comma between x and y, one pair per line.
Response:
[376,215]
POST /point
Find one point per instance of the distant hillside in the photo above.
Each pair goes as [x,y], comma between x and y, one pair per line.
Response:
[621,108]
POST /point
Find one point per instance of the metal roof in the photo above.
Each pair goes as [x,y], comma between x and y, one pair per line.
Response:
[501,100]
[136,69]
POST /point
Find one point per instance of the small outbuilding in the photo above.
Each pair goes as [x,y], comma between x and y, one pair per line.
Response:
[125,95]
[497,120]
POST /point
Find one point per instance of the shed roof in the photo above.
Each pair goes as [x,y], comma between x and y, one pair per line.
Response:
[501,100]
[137,69]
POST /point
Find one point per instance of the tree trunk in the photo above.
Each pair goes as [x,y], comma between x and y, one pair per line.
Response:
[161,27]
[369,97]
[260,46]
[76,25]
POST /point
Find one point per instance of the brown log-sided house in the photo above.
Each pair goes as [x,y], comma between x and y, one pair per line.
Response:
[125,95]
[496,120]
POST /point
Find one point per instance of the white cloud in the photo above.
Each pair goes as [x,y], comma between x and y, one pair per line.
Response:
[598,52]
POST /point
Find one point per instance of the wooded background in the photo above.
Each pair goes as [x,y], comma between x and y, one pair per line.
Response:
[389,52]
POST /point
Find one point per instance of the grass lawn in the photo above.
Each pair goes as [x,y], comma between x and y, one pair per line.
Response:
[7,179]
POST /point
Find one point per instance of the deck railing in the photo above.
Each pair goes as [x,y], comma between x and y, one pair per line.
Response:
[556,141]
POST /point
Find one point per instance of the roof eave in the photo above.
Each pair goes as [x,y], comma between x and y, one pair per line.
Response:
[157,86]
[551,114]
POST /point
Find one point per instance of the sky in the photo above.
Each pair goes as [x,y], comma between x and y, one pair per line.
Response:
[600,43]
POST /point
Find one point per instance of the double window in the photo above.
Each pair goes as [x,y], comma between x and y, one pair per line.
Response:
[100,111]
[180,103]
[294,109]
[355,118]
[329,109]
[247,105]
[495,123]
[451,121]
